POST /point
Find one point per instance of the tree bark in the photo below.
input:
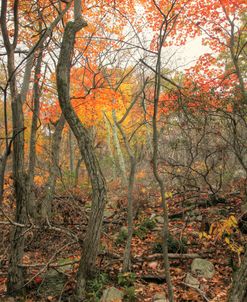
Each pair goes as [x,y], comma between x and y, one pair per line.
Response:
[46,205]
[15,273]
[157,176]
[77,171]
[131,182]
[31,206]
[118,149]
[238,292]
[92,237]
[71,153]
[108,138]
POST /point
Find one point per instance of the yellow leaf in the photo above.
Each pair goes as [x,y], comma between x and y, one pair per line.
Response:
[227,240]
[211,229]
[233,220]
[168,194]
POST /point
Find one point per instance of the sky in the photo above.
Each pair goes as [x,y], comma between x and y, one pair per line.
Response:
[187,55]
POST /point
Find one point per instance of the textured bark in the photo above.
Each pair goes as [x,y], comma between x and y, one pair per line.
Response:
[15,273]
[71,153]
[6,152]
[238,292]
[3,161]
[31,206]
[46,206]
[109,144]
[92,237]
[118,149]
[131,182]
[77,170]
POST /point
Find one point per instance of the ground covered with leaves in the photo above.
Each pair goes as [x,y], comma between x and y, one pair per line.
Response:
[201,226]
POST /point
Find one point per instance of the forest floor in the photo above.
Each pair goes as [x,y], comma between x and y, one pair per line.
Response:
[197,226]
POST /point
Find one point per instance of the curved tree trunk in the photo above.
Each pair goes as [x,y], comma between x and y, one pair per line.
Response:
[91,242]
[15,273]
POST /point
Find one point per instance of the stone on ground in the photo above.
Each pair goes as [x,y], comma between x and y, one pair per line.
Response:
[160,297]
[112,294]
[203,268]
[192,281]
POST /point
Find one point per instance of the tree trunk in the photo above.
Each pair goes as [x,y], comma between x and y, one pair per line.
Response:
[4,156]
[31,206]
[131,181]
[157,176]
[71,154]
[92,237]
[118,149]
[46,205]
[15,272]
[77,170]
[3,161]
[238,292]
[109,143]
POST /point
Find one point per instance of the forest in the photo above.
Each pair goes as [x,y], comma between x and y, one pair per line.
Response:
[123,150]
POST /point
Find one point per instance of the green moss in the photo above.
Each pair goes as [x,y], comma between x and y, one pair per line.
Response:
[126,279]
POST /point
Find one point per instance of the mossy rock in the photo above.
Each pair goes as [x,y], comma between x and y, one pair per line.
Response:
[52,284]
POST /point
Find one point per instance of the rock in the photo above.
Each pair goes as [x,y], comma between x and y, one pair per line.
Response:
[153,265]
[112,294]
[53,283]
[203,268]
[108,213]
[66,265]
[160,297]
[159,219]
[124,230]
[192,281]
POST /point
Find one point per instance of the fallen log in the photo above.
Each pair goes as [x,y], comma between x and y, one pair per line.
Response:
[172,256]
[154,279]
